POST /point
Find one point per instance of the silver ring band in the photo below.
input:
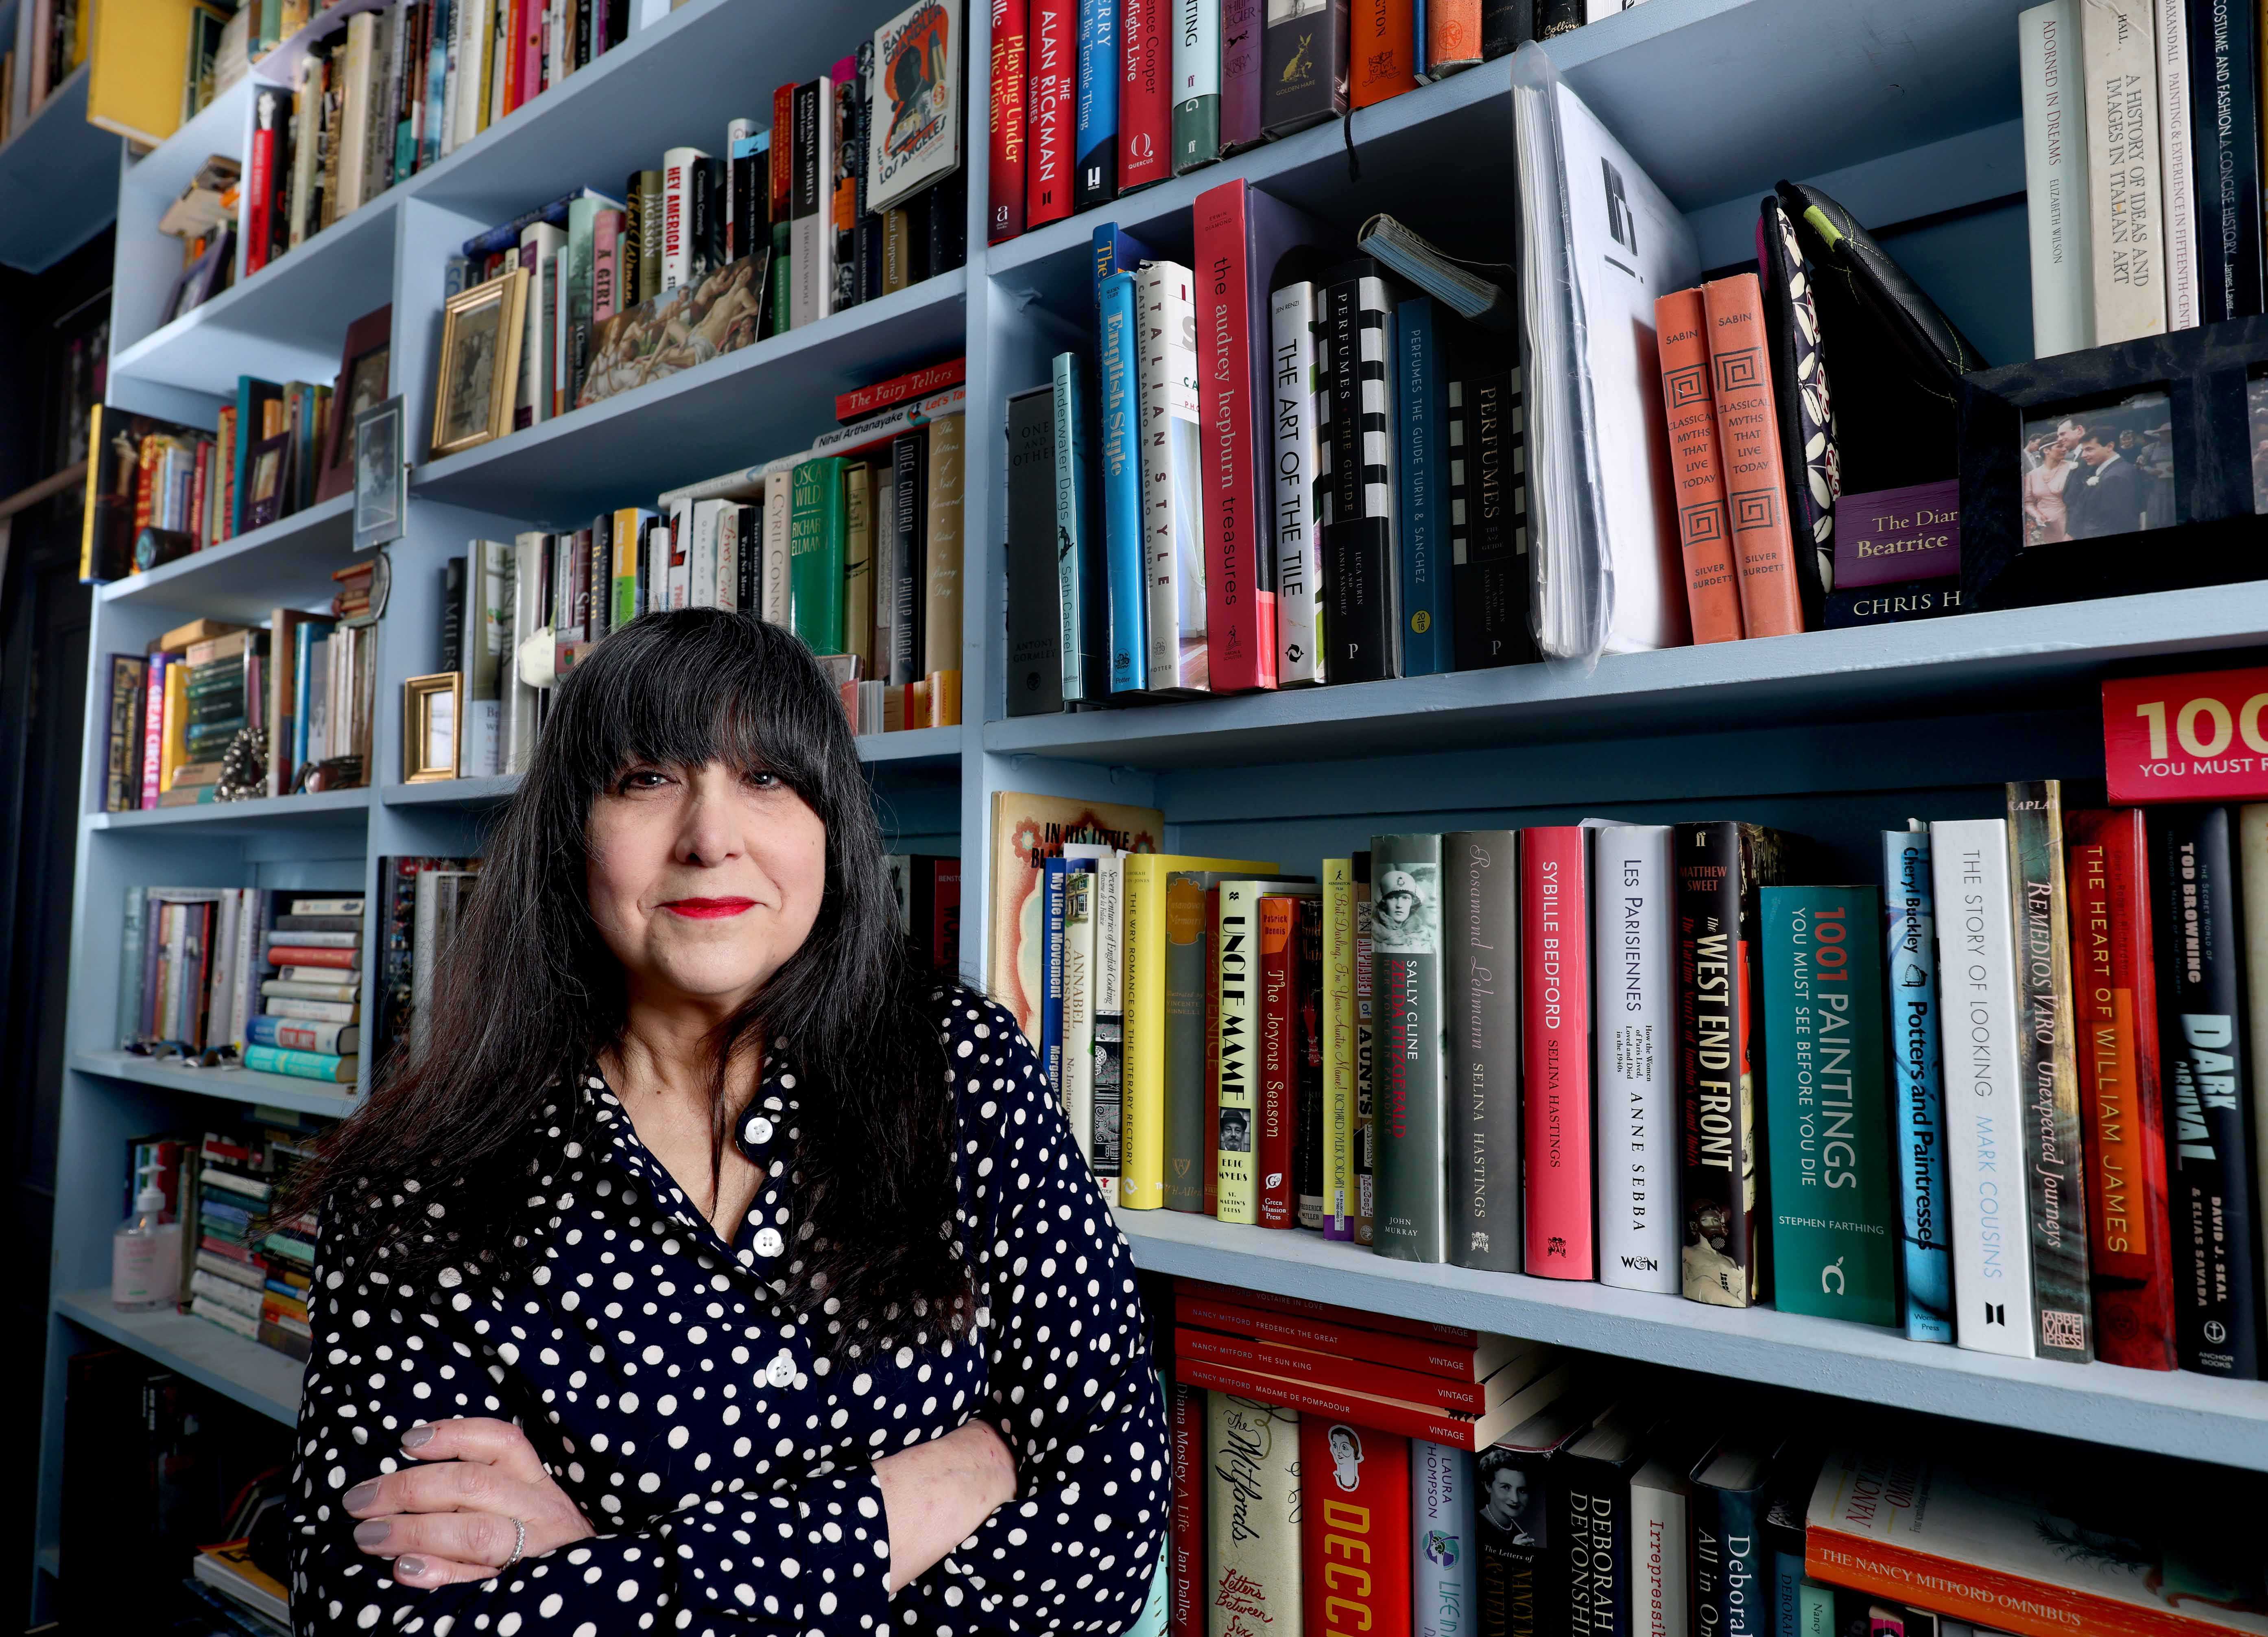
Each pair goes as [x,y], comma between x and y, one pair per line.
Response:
[519,1545]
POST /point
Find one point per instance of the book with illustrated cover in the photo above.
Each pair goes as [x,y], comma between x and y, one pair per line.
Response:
[1354,1508]
[1412,1113]
[917,116]
[1252,1516]
[1027,831]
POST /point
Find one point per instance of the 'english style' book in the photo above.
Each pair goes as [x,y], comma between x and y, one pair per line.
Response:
[1480,950]
[1413,1094]
[1633,953]
[1555,1052]
[1916,1083]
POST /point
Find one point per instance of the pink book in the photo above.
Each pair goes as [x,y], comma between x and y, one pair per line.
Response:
[1554,1051]
[153,729]
[606,265]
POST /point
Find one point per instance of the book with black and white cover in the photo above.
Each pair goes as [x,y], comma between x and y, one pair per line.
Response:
[1480,946]
[915,122]
[2055,178]
[2125,186]
[1363,623]
[1301,479]
[1661,1553]
[1173,517]
[909,520]
[810,215]
[1634,1053]
[1078,541]
[1988,1191]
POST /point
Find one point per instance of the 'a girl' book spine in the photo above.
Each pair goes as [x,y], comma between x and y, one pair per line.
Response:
[1713,590]
[2125,193]
[1354,1509]
[2223,41]
[1197,83]
[1237,989]
[1480,942]
[1555,1052]
[1252,1516]
[1984,1103]
[1171,458]
[1412,1091]
[1443,1589]
[2115,1009]
[2209,1117]
[1299,486]
[1917,1097]
[2056,192]
[1145,94]
[1338,1048]
[1010,39]
[1123,542]
[1633,954]
[1096,125]
[1050,109]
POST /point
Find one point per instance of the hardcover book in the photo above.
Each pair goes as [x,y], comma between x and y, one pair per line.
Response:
[1197,86]
[1712,588]
[1748,452]
[1491,588]
[2224,47]
[1422,335]
[1480,942]
[1633,946]
[1145,94]
[1252,1516]
[1916,1084]
[1298,485]
[1119,346]
[1555,1052]
[1096,141]
[1354,1509]
[2125,189]
[1592,1499]
[1010,39]
[1034,659]
[1445,1584]
[1081,600]
[1237,1055]
[1187,1592]
[1339,1045]
[1727,1508]
[1303,64]
[1052,107]
[1191,1087]
[1362,624]
[1171,461]
[1520,1564]
[1240,75]
[1412,1096]
[1027,831]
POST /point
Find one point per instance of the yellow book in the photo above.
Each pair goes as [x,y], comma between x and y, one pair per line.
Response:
[1142,1172]
[172,739]
[90,510]
[1338,1048]
[140,53]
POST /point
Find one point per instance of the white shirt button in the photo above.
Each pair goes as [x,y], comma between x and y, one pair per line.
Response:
[769,1242]
[760,1130]
[781,1370]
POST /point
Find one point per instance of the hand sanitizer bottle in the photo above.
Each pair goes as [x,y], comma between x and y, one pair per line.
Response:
[145,1252]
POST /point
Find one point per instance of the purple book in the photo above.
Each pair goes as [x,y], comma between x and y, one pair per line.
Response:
[1240,75]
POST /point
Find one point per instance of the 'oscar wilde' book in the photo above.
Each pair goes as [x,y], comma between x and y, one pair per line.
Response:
[1354,1509]
[1252,1516]
[1916,1086]
[1480,946]
[1712,590]
[1011,41]
[2115,1008]
[1555,969]
[1412,1091]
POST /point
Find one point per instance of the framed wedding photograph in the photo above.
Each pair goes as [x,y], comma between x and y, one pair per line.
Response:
[430,708]
[366,374]
[479,377]
[381,475]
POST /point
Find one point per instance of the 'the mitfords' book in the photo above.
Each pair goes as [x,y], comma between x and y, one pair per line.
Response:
[1027,832]
[1252,1508]
[1834,1232]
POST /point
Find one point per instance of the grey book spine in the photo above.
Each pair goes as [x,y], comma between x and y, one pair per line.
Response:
[1035,627]
[1480,920]
[1412,1089]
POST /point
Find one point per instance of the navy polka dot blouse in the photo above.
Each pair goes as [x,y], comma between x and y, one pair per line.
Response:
[724,1458]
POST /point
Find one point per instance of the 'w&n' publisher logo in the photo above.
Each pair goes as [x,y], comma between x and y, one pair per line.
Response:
[1996,1313]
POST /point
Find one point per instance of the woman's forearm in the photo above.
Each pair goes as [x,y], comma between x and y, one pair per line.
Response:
[936,1494]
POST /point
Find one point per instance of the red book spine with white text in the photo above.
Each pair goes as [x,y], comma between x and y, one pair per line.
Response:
[1240,602]
[260,185]
[1555,1018]
[294,954]
[1325,1312]
[861,402]
[1279,1095]
[1354,1528]
[1331,1369]
[782,155]
[1011,41]
[1145,95]
[1236,1316]
[1054,51]
[1185,1567]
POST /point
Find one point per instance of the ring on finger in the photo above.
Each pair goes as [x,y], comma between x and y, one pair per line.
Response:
[519,1545]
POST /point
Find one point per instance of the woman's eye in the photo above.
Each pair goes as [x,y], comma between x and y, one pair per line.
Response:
[762,780]
[643,779]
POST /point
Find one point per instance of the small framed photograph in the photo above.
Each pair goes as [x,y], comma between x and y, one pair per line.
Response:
[266,481]
[382,489]
[2093,473]
[474,389]
[430,712]
[365,373]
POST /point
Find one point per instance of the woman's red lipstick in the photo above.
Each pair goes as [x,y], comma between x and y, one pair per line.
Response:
[709,909]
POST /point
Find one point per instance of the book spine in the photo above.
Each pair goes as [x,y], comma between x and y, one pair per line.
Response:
[1662,1547]
[1049,111]
[2177,149]
[1185,1539]
[1444,1591]
[1035,662]
[2048,1073]
[1712,592]
[1011,41]
[2125,193]
[1240,76]
[1593,1501]
[1252,1515]
[1076,592]
[1716,1094]
[1359,534]
[1237,999]
[1337,1000]
[1555,1053]
[1480,936]
[1421,399]
[319,1065]
[1991,1265]
[1633,960]
[1385,1415]
[1239,592]
[1189,1085]
[811,226]
[945,467]
[1051,941]
[1308,1059]
[1748,451]
[1298,482]
[1492,591]
[1412,1096]
[1145,94]
[1124,546]
[2114,992]
[2223,41]
[1303,66]
[1383,55]
[268,106]
[1453,37]
[2209,1117]
[1142,1166]
[1420,1349]
[1828,1142]
[1365,1058]
[1331,1370]
[1196,86]
[300,1036]
[1356,1487]
[1109,1022]
[1096,141]
[1273,1041]
[1910,961]
[1173,531]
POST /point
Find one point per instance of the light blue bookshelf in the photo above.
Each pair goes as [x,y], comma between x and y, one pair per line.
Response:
[1902,113]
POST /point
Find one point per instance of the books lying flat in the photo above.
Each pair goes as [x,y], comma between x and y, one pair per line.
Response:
[1335,1372]
[1240,1315]
[1456,1335]
[1473,1433]
[228,1569]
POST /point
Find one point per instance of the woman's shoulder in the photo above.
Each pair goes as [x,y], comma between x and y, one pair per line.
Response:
[987,1057]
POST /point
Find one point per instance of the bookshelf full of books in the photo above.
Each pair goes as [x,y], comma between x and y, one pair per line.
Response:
[1214,551]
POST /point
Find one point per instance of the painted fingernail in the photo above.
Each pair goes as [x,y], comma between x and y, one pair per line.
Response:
[417,1438]
[372,1533]
[361,1495]
[405,1568]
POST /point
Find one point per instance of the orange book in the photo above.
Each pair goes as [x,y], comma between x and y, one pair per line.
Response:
[1713,586]
[1748,444]
[1383,59]
[1453,36]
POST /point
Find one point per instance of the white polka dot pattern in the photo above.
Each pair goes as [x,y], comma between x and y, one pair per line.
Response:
[703,1427]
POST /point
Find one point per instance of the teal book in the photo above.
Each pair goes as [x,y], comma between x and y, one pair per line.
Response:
[322,1065]
[1834,1226]
[253,397]
[1123,547]
[817,531]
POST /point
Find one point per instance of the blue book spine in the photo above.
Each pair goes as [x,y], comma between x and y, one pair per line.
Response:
[1096,140]
[1444,1562]
[1122,489]
[1116,251]
[1426,628]
[1078,540]
[303,643]
[1051,1008]
[1741,1606]
[437,84]
[1918,1096]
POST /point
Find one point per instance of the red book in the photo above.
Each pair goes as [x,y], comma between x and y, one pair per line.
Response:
[1554,1051]
[511,32]
[1145,95]
[783,177]
[1456,1361]
[294,954]
[1325,1312]
[260,185]
[1012,23]
[1472,1433]
[1383,55]
[198,493]
[1185,1567]
[1748,444]
[1354,1530]
[861,402]
[1048,120]
[1713,584]
[1279,1086]
[1381,1381]
[2115,1002]
[1210,1203]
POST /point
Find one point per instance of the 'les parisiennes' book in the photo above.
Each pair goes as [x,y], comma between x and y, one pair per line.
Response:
[1918,1095]
[1480,945]
[1555,969]
[1412,1090]
[1633,944]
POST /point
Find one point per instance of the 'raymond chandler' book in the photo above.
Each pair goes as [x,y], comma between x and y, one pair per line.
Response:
[1413,1094]
[1916,1086]
[1480,901]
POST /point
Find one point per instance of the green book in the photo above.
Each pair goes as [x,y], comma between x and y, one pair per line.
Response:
[818,533]
[777,274]
[1410,1194]
[1834,1223]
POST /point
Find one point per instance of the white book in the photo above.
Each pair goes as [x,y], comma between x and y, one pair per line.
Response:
[1173,524]
[452,78]
[779,510]
[701,557]
[356,67]
[728,554]
[303,150]
[2177,166]
[1444,1547]
[526,616]
[1078,1006]
[248,953]
[223,1292]
[677,578]
[1634,1057]
[2125,190]
[222,962]
[1661,1549]
[811,233]
[1986,1190]
[474,48]
[2055,178]
[1296,375]
[277,988]
[311,1010]
[677,215]
[227,1318]
[1196,51]
[1102,1149]
[270,938]
[538,365]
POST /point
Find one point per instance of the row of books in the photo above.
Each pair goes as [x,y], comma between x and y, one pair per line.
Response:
[1094,99]
[2142,168]
[304,682]
[1693,1075]
[1336,1471]
[249,1271]
[926,888]
[422,901]
[50,52]
[273,975]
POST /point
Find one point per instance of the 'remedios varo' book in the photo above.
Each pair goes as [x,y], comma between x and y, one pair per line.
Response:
[2209,1117]
[1338,1024]
[1172,463]
[1984,1099]
[2056,192]
[1034,662]
[2049,1071]
[1354,1509]
[2125,189]
[1633,952]
[1916,1083]
[1444,1583]
[1555,970]
[1252,1516]
[1298,475]
[1412,1091]
[1480,949]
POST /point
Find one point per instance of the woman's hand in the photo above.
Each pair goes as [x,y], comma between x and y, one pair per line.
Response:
[451,1518]
[936,1495]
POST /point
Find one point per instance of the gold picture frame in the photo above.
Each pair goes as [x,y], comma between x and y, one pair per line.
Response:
[432,726]
[477,387]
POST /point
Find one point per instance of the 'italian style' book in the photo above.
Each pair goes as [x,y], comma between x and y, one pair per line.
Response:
[1253,1580]
[1748,451]
[1480,949]
[1633,953]
[1354,1509]
[1555,967]
[1443,1580]
[1413,1094]
[1916,1083]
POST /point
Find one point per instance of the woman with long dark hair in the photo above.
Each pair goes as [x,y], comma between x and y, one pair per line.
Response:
[713,1268]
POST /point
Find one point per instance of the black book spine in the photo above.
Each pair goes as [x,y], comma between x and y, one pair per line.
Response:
[1593,1501]
[948,224]
[748,593]
[751,202]
[618,23]
[1358,543]
[582,36]
[1492,582]
[2225,120]
[909,485]
[1505,26]
[1558,17]
[1887,605]
[1303,69]
[1521,1573]
[453,614]
[1722,1173]
[2208,1105]
[1480,900]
